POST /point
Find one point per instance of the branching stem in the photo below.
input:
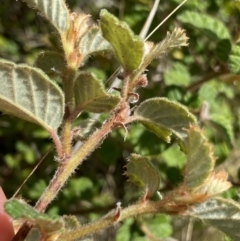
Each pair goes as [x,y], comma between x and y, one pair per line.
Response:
[108,220]
[66,168]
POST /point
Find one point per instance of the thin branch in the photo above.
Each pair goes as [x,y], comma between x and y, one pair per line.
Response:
[108,220]
[160,24]
[34,169]
[205,79]
[149,20]
[57,142]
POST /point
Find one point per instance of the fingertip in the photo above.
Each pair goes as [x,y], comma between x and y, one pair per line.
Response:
[6,227]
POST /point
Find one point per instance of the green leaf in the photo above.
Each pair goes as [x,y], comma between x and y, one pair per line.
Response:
[164,117]
[29,94]
[70,222]
[223,49]
[234,60]
[177,75]
[129,48]
[55,11]
[225,124]
[19,209]
[91,96]
[93,42]
[141,172]
[160,226]
[48,225]
[177,38]
[210,26]
[52,63]
[124,232]
[200,160]
[220,213]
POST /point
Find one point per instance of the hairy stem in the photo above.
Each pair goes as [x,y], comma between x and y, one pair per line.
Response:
[68,83]
[146,207]
[66,136]
[67,167]
[57,142]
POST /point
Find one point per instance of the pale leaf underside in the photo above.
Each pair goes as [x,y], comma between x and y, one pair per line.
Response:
[220,213]
[28,93]
[93,42]
[164,117]
[55,11]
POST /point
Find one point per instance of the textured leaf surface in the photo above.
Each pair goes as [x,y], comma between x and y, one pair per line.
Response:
[129,48]
[29,94]
[141,172]
[51,63]
[91,96]
[220,213]
[93,42]
[212,27]
[164,117]
[234,59]
[200,160]
[177,75]
[48,225]
[55,11]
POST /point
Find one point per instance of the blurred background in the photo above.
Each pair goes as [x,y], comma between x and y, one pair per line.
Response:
[197,76]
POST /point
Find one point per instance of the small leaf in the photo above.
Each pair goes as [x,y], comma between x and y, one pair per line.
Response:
[177,75]
[234,59]
[164,117]
[129,48]
[175,39]
[55,11]
[141,172]
[215,184]
[220,213]
[28,93]
[91,96]
[51,63]
[211,27]
[93,42]
[70,222]
[18,209]
[200,160]
[223,49]
[49,226]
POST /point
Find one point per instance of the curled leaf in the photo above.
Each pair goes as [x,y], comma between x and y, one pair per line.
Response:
[164,117]
[141,172]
